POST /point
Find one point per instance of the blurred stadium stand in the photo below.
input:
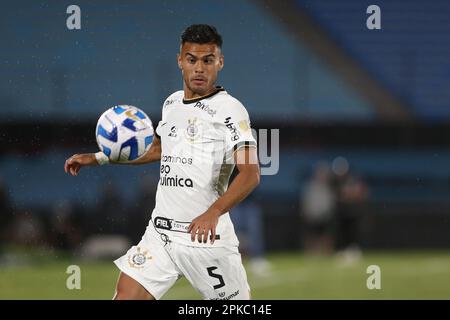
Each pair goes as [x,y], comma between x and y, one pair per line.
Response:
[409,55]
[350,93]
[121,56]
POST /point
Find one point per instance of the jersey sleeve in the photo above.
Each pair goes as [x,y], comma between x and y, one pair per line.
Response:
[163,120]
[237,128]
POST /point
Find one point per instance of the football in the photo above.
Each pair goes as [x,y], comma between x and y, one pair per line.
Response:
[124,133]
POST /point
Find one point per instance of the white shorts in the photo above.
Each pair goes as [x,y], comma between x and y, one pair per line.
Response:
[216,273]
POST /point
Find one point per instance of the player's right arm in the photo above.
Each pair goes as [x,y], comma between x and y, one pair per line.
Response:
[77,161]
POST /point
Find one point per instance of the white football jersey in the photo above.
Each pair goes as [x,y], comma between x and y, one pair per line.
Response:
[198,140]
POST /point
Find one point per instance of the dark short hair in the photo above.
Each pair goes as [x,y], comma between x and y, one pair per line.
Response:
[201,34]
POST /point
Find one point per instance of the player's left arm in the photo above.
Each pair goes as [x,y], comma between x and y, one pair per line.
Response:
[246,180]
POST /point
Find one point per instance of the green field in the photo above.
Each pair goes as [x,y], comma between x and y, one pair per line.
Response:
[403,276]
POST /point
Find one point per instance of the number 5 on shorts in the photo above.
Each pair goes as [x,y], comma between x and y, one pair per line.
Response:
[217,276]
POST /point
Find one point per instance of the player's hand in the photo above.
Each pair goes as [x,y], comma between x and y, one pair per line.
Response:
[204,225]
[75,162]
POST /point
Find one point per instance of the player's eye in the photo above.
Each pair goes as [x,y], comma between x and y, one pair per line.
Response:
[191,60]
[208,60]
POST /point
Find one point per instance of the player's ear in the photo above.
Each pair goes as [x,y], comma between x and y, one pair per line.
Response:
[221,62]
[179,60]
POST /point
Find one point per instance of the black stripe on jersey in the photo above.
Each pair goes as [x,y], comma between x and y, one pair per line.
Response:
[188,101]
[244,144]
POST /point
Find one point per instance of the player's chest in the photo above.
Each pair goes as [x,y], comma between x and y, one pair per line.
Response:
[187,124]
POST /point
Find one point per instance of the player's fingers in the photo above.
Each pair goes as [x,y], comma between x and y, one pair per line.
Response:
[200,233]
[72,171]
[68,164]
[213,235]
[73,159]
[205,236]
[193,232]
[65,166]
[191,226]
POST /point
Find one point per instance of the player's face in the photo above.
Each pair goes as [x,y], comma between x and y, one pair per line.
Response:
[200,64]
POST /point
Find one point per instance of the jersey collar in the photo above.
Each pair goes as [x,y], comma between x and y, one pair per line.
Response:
[218,89]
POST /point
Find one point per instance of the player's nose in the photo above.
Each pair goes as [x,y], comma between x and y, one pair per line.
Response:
[199,67]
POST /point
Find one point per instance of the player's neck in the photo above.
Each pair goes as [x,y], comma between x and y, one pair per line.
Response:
[190,95]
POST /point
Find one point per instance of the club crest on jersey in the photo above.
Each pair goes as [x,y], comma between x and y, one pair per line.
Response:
[192,130]
[138,259]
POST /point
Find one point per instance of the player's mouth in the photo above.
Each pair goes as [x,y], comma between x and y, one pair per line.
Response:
[199,81]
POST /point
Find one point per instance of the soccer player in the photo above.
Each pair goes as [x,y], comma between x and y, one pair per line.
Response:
[204,133]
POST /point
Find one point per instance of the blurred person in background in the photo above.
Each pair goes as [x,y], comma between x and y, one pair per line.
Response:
[352,194]
[6,215]
[108,225]
[139,215]
[27,229]
[65,232]
[110,213]
[249,223]
[318,205]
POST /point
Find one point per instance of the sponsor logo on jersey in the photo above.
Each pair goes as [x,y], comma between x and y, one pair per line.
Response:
[244,125]
[170,224]
[234,131]
[176,182]
[173,132]
[173,225]
[173,181]
[138,259]
[205,108]
[176,159]
[169,102]
[222,296]
[163,223]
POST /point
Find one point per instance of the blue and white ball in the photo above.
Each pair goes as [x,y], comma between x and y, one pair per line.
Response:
[124,133]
